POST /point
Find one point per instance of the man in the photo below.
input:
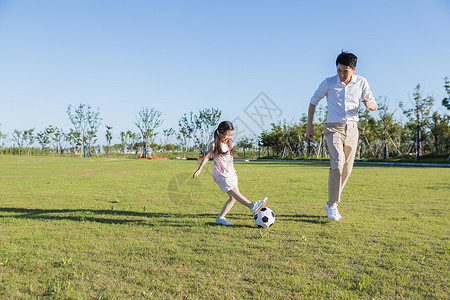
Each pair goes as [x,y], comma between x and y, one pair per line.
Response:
[344,93]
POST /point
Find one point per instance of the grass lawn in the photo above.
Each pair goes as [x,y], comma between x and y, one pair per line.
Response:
[105,229]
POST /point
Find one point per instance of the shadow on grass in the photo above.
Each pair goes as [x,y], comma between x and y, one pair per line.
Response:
[303,218]
[138,218]
[233,226]
[115,216]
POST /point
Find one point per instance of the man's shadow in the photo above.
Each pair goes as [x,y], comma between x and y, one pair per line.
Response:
[302,218]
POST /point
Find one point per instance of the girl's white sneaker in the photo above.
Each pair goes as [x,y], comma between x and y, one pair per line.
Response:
[256,207]
[223,221]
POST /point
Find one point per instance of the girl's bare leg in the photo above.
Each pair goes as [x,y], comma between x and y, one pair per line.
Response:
[227,206]
[234,193]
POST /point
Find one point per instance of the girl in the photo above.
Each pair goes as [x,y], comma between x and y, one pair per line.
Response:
[224,174]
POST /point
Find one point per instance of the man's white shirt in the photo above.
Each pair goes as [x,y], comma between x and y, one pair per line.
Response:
[343,100]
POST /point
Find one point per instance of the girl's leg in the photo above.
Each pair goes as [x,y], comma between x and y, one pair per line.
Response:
[227,206]
[234,193]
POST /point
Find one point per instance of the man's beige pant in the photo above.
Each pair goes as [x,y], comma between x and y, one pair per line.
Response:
[342,140]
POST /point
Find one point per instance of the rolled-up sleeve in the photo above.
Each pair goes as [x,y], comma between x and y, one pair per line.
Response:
[320,93]
[366,92]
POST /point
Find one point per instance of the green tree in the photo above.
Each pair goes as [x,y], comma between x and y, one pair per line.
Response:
[43,139]
[205,123]
[245,143]
[123,141]
[17,137]
[147,121]
[57,138]
[366,135]
[167,133]
[439,128]
[303,142]
[86,122]
[319,132]
[384,127]
[419,115]
[108,140]
[74,139]
[2,137]
[28,138]
[93,118]
[186,128]
[134,141]
[446,100]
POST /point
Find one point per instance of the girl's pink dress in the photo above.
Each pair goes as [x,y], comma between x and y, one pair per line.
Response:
[223,172]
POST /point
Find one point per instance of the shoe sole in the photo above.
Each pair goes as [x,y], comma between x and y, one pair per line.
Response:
[262,206]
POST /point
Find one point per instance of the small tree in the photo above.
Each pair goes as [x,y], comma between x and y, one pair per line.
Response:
[134,141]
[167,133]
[93,119]
[439,128]
[28,138]
[420,115]
[2,137]
[148,120]
[205,124]
[123,141]
[384,127]
[319,130]
[366,135]
[108,139]
[86,123]
[74,139]
[245,143]
[57,138]
[186,127]
[446,100]
[43,139]
[17,137]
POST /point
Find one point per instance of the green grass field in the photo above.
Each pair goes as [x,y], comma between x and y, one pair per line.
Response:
[74,228]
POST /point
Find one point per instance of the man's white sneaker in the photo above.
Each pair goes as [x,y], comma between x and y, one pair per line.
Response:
[338,214]
[223,221]
[256,207]
[333,213]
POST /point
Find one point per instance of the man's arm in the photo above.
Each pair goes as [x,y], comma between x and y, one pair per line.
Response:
[370,104]
[368,99]
[310,129]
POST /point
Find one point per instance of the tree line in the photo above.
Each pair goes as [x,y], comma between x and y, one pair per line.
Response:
[82,138]
[425,132]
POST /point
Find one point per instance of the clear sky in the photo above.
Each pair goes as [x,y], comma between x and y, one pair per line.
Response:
[181,56]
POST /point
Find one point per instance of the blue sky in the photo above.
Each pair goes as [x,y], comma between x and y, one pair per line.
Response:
[181,56]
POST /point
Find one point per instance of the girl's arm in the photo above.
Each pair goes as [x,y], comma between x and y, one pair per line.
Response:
[203,163]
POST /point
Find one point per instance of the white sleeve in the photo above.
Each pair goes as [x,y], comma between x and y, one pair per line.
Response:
[366,92]
[320,93]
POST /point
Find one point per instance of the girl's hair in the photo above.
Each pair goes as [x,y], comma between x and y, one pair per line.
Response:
[223,127]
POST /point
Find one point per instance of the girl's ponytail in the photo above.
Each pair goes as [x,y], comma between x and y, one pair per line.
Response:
[217,146]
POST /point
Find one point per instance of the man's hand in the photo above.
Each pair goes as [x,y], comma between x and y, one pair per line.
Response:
[370,105]
[309,132]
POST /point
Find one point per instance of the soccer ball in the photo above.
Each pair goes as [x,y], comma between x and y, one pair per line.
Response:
[264,218]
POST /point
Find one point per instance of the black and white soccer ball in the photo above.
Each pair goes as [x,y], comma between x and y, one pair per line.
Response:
[264,218]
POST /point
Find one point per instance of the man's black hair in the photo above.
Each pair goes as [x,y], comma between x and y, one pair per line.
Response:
[347,59]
